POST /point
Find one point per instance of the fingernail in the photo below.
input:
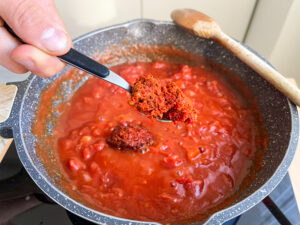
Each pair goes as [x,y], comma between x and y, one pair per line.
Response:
[54,40]
[26,62]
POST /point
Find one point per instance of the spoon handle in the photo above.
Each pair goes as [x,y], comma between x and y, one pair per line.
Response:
[205,27]
[75,58]
[81,61]
[261,67]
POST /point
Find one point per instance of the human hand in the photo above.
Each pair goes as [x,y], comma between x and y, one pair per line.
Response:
[37,23]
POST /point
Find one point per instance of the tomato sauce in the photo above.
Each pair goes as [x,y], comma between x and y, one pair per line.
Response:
[188,168]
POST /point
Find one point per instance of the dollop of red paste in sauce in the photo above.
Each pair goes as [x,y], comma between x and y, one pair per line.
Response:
[187,169]
[129,136]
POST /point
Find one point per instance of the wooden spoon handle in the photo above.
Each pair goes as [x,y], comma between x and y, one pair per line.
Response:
[7,96]
[4,146]
[261,67]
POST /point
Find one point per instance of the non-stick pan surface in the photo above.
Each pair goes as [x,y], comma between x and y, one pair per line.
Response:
[280,115]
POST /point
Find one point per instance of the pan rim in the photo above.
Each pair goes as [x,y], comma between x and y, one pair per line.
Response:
[217,217]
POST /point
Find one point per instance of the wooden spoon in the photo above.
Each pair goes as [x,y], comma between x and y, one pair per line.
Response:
[204,26]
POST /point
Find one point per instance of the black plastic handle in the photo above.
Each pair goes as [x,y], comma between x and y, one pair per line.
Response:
[85,63]
[76,59]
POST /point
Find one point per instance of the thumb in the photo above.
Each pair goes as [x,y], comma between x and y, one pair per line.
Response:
[37,23]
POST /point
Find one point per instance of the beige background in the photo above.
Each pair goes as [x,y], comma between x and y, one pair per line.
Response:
[271,27]
[275,34]
[82,17]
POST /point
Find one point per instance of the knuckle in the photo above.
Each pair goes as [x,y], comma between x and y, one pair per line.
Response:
[24,13]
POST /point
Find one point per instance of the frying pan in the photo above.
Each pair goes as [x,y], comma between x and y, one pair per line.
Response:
[280,116]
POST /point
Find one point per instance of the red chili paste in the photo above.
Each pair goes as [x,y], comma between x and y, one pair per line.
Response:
[161,100]
[185,171]
[129,136]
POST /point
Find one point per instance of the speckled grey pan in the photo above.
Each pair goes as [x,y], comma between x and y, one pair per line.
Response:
[280,116]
